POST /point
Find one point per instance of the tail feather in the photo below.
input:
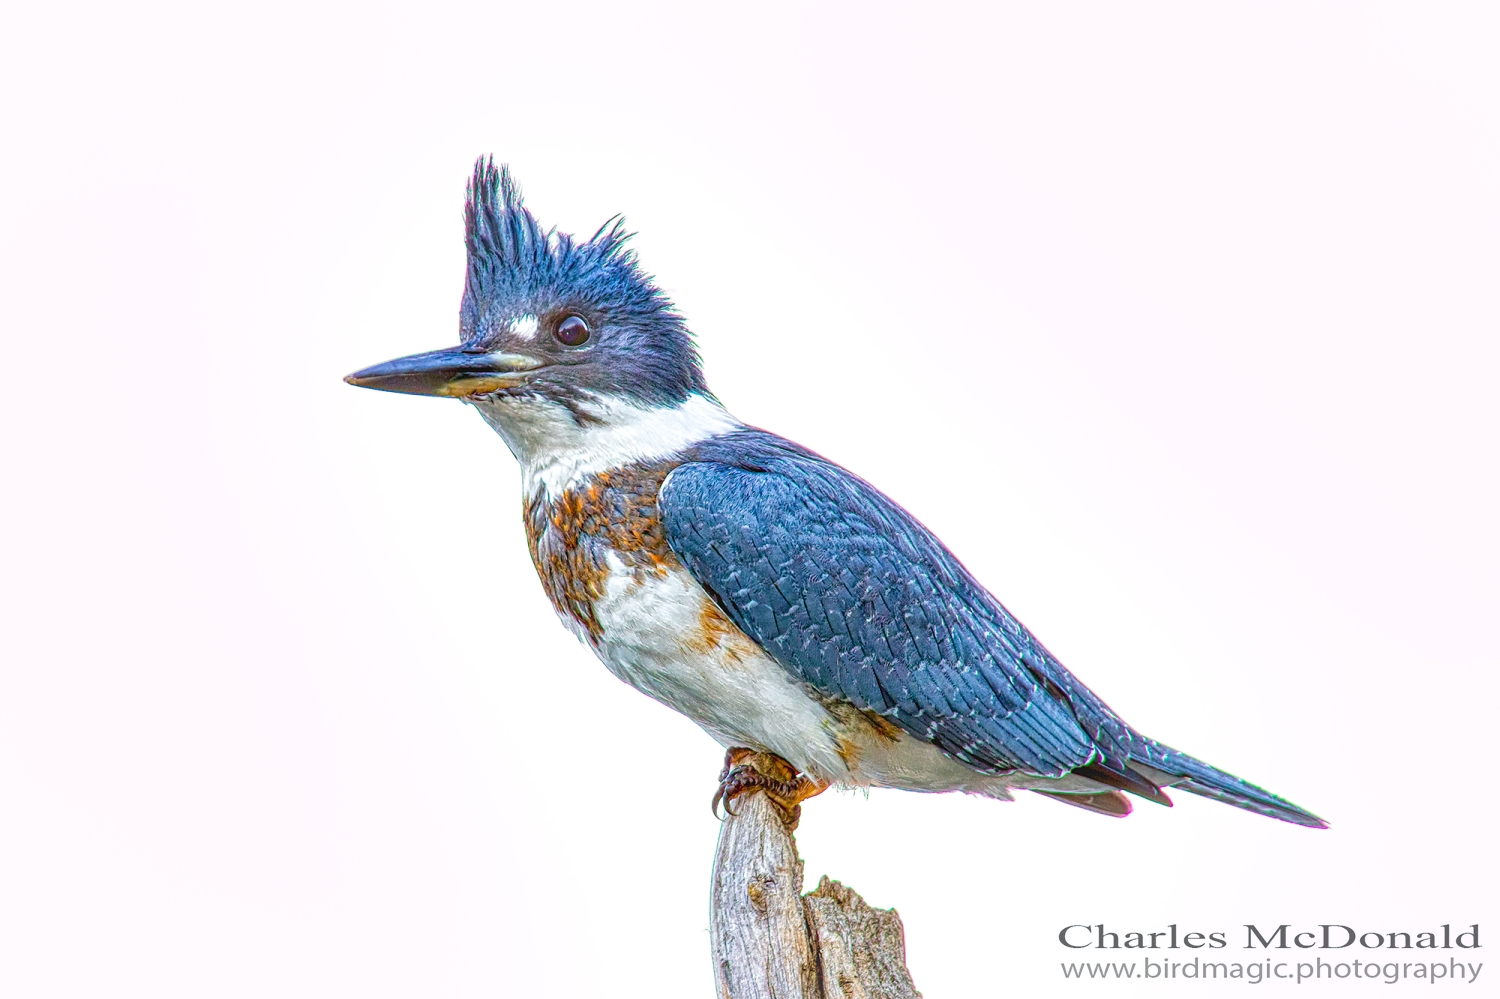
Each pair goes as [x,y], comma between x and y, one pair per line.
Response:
[1109,802]
[1121,748]
[1125,779]
[1190,774]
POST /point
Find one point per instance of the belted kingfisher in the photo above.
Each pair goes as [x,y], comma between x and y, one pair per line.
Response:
[802,618]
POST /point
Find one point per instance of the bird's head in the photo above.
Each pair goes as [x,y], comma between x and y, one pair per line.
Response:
[550,322]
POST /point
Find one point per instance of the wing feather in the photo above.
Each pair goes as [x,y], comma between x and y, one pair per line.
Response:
[851,595]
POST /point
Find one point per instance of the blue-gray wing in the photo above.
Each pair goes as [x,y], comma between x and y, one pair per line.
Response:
[850,594]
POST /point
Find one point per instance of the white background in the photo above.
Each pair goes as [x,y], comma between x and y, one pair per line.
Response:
[1178,324]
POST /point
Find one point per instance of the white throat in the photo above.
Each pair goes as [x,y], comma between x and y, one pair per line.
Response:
[556,453]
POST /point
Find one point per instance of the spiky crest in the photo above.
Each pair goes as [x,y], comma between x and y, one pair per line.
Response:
[516,267]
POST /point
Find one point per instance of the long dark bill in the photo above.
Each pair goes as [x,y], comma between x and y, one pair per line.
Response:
[453,372]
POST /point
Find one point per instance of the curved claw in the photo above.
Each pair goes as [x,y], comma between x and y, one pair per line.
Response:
[738,778]
[713,806]
[729,788]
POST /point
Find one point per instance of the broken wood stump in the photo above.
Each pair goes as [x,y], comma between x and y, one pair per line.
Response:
[770,941]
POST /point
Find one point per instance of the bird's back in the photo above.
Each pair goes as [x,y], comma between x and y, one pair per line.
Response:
[852,595]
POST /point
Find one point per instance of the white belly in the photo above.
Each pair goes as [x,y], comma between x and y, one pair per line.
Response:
[662,634]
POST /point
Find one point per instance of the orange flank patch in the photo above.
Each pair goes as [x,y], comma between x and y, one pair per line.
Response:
[853,728]
[717,634]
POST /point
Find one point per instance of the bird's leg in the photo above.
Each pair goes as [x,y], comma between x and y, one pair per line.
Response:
[747,770]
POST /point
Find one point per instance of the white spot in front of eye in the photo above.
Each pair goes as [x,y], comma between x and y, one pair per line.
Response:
[523,327]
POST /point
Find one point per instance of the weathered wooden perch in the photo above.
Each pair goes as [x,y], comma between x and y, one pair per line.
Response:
[772,942]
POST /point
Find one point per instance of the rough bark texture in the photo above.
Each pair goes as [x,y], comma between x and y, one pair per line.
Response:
[771,943]
[760,942]
[861,950]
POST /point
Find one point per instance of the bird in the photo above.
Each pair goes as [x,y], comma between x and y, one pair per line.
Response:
[803,619]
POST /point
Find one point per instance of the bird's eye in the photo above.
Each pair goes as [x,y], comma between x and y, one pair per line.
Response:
[573,331]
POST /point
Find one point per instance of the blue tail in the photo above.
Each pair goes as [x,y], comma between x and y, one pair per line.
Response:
[1194,775]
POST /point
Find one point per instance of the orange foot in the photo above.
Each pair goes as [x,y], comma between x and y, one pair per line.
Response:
[747,770]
